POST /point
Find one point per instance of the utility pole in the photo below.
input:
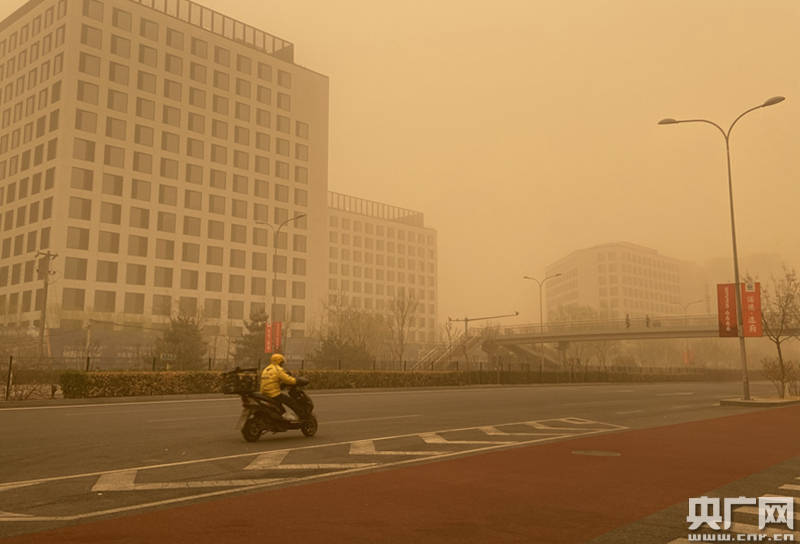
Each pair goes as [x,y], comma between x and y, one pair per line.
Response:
[44,274]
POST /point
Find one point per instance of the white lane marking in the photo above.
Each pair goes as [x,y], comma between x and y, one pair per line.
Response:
[629,412]
[681,394]
[435,438]
[126,481]
[368,419]
[790,487]
[106,404]
[13,515]
[367,447]
[171,419]
[494,431]
[274,460]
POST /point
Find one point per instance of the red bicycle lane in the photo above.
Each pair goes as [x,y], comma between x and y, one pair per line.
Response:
[540,493]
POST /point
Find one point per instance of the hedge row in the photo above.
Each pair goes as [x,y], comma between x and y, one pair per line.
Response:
[77,384]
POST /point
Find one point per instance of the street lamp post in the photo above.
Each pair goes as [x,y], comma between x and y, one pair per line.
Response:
[541,319]
[737,290]
[275,234]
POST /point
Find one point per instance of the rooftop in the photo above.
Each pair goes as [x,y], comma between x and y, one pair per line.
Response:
[370,208]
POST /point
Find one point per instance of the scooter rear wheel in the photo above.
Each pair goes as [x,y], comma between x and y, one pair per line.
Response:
[251,430]
[309,426]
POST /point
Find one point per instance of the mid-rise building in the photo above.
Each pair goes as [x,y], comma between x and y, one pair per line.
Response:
[380,254]
[619,279]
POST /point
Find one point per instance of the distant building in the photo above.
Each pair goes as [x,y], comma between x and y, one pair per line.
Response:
[379,253]
[621,278]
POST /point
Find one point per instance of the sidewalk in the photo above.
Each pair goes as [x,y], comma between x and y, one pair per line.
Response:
[541,494]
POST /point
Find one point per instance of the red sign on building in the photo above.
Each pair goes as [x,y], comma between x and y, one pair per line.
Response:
[751,309]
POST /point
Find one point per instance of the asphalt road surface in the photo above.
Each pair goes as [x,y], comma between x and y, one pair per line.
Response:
[72,463]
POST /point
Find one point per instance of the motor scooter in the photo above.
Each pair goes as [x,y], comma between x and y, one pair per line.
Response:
[261,414]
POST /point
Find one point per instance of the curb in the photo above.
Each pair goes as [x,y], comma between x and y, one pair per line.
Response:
[760,403]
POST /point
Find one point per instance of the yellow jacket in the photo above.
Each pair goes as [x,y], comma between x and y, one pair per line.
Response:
[271,379]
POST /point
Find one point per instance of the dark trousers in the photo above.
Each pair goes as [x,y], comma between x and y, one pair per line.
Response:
[283,398]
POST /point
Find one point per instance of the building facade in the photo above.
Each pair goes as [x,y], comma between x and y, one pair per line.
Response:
[158,157]
[381,254]
[154,148]
[619,279]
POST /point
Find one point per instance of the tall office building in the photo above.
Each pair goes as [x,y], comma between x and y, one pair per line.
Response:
[380,255]
[154,147]
[619,279]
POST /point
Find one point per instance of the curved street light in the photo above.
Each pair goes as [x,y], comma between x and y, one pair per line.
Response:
[541,322]
[737,290]
[275,233]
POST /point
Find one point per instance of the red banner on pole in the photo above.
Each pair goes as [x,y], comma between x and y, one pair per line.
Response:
[276,334]
[751,309]
[726,310]
[267,337]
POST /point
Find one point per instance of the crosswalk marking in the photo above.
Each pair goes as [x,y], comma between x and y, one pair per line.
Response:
[367,447]
[435,438]
[126,481]
[274,460]
[754,510]
[494,431]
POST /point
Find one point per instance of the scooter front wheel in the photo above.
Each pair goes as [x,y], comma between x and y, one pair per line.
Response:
[309,426]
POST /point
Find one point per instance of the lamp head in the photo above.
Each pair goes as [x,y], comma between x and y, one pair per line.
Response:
[668,121]
[772,101]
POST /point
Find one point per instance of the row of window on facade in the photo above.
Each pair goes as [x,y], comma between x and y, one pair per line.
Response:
[176,39]
[74,299]
[654,262]
[21,111]
[378,245]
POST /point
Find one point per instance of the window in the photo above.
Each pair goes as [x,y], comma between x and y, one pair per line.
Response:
[284,79]
[193,199]
[213,281]
[189,279]
[139,217]
[167,195]
[194,173]
[143,135]
[146,108]
[216,204]
[219,129]
[236,284]
[264,71]
[148,29]
[114,156]
[89,64]
[191,252]
[238,234]
[77,238]
[140,190]
[219,154]
[197,72]
[197,97]
[74,268]
[162,305]
[243,87]
[118,73]
[135,274]
[191,226]
[143,162]
[170,142]
[83,149]
[197,123]
[301,130]
[237,258]
[80,208]
[263,94]
[216,230]
[120,46]
[108,242]
[175,38]
[110,213]
[115,128]
[137,245]
[121,19]
[243,64]
[218,179]
[134,303]
[165,249]
[214,257]
[112,184]
[105,301]
[166,222]
[146,82]
[162,277]
[171,116]
[235,309]
[72,299]
[194,148]
[81,179]
[220,104]
[91,36]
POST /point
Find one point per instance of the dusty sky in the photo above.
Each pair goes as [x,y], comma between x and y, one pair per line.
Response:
[527,129]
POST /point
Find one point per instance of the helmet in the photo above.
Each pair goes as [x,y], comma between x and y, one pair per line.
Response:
[277,359]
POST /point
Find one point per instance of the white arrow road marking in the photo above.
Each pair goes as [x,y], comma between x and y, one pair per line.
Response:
[273,460]
[367,447]
[435,438]
[126,481]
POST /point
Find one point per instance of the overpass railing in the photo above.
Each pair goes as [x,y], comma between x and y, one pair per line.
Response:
[687,322]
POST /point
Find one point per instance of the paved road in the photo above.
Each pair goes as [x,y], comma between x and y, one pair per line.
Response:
[65,463]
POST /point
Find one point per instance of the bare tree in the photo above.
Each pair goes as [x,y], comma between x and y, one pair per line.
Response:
[401,313]
[780,314]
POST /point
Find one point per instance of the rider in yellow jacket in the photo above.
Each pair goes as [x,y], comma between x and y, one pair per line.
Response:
[271,379]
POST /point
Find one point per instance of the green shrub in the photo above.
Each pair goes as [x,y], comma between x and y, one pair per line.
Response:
[74,384]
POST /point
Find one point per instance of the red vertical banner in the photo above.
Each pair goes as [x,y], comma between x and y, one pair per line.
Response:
[726,310]
[751,309]
[267,337]
[276,333]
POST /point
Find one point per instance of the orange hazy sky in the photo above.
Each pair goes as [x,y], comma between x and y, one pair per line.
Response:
[527,129]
